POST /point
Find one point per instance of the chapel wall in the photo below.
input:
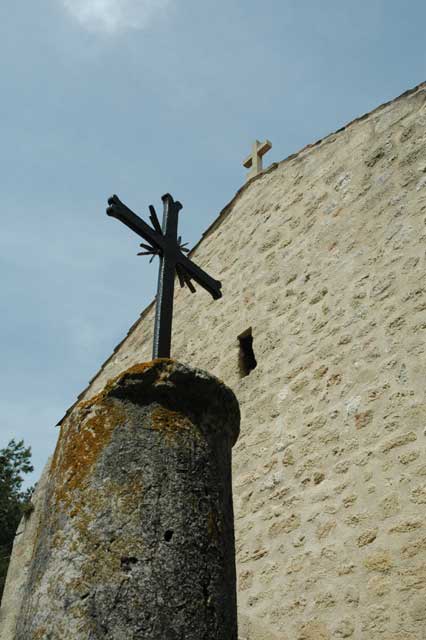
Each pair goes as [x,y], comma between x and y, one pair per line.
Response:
[21,559]
[324,258]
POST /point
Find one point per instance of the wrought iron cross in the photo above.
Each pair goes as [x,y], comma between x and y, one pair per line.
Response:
[164,242]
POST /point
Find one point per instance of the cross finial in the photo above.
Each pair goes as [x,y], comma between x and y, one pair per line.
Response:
[254,160]
[163,241]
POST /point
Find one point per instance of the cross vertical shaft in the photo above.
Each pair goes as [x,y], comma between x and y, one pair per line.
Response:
[166,280]
[163,242]
[254,160]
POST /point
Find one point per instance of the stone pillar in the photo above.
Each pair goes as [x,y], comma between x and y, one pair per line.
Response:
[137,538]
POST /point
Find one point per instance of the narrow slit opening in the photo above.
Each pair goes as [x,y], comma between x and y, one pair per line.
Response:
[246,359]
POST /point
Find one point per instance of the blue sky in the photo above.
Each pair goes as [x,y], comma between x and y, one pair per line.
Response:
[139,98]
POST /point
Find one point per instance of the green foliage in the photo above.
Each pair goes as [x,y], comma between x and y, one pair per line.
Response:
[15,460]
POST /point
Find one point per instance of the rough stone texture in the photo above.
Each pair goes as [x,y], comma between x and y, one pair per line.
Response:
[136,541]
[324,257]
[20,563]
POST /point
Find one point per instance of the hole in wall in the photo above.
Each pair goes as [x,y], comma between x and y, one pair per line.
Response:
[168,535]
[127,562]
[246,358]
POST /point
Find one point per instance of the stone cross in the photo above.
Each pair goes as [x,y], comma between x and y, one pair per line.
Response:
[254,160]
[164,242]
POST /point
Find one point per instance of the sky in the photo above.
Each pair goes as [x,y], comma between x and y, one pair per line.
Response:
[140,98]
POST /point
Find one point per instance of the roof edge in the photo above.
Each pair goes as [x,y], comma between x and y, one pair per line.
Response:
[311,145]
[225,212]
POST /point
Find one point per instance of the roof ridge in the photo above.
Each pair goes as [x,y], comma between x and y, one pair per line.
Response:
[311,145]
[226,210]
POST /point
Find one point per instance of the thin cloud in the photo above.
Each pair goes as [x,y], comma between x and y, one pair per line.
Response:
[110,16]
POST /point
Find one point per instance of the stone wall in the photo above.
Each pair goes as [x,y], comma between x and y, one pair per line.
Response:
[20,563]
[323,256]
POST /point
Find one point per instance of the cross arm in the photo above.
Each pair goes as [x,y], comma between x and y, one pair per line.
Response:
[264,147]
[259,148]
[248,161]
[118,209]
[201,277]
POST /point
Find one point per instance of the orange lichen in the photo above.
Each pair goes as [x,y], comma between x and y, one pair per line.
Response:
[82,440]
[111,383]
[85,437]
[143,366]
[171,423]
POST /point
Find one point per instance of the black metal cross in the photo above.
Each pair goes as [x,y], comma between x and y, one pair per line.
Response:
[164,242]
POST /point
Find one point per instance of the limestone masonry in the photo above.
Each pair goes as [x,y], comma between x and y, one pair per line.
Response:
[323,257]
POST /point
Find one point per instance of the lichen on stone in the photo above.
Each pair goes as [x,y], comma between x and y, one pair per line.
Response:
[171,423]
[89,428]
[82,441]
